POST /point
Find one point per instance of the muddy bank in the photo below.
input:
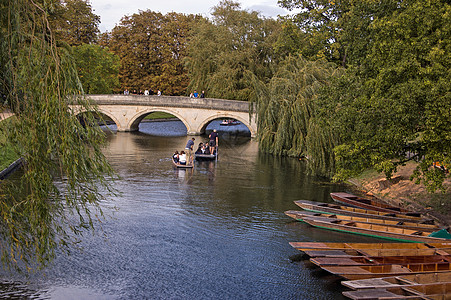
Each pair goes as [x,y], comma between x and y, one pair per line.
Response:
[400,190]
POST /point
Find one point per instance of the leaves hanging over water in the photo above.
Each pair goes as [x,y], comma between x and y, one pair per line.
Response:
[286,110]
[39,82]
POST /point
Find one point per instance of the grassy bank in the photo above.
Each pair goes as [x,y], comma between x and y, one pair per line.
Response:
[158,115]
[7,155]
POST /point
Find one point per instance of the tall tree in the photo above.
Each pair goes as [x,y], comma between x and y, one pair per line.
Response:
[39,81]
[74,22]
[224,53]
[98,69]
[152,47]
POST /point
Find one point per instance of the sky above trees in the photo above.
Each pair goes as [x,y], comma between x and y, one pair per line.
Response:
[111,11]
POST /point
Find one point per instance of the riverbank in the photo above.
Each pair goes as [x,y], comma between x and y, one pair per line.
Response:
[400,190]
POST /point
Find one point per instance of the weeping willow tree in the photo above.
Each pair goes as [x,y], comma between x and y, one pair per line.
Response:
[287,124]
[38,82]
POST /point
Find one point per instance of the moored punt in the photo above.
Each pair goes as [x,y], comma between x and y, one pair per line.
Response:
[339,246]
[378,230]
[376,252]
[336,209]
[366,272]
[436,291]
[300,215]
[397,281]
[352,200]
[379,260]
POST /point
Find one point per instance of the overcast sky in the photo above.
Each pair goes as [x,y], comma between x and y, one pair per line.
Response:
[111,11]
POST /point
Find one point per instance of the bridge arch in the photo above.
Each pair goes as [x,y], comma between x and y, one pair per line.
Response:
[139,116]
[240,118]
[80,110]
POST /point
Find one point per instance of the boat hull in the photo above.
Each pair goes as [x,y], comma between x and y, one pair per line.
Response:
[377,231]
[205,157]
[352,200]
[359,212]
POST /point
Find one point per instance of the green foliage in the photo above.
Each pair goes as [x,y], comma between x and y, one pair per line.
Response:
[98,69]
[393,103]
[151,47]
[224,54]
[39,81]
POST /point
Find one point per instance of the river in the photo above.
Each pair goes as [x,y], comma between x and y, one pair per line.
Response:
[215,232]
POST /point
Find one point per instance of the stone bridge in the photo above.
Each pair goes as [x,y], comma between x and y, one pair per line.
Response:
[127,111]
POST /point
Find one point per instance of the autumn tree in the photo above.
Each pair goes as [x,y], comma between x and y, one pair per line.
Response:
[152,47]
[224,53]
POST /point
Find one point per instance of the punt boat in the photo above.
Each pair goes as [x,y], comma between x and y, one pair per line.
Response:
[397,281]
[376,252]
[364,246]
[356,201]
[180,166]
[300,215]
[335,209]
[437,291]
[379,230]
[379,260]
[376,271]
[205,157]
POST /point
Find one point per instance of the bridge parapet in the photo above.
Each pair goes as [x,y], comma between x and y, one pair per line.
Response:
[172,101]
[127,111]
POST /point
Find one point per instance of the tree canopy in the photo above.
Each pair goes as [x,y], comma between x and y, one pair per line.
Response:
[223,53]
[74,22]
[151,47]
[393,103]
[98,69]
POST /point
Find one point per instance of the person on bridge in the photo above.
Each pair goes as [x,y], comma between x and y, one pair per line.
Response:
[202,95]
[214,141]
[195,94]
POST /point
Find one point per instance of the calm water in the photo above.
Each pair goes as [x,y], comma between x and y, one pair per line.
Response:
[215,232]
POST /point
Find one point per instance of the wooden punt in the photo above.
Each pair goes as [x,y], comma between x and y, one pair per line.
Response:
[300,215]
[379,260]
[364,246]
[376,252]
[205,157]
[336,209]
[356,201]
[437,291]
[377,230]
[180,166]
[398,281]
[376,271]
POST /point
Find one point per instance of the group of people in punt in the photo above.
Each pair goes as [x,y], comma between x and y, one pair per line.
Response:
[209,147]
